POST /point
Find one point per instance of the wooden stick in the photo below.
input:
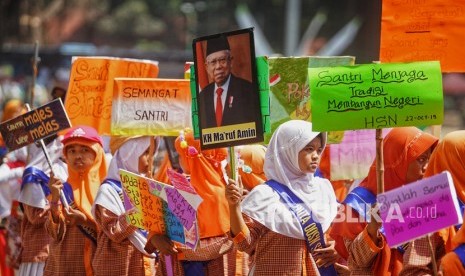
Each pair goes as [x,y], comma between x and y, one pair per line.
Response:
[433,258]
[150,158]
[47,157]
[49,162]
[35,62]
[232,163]
[379,161]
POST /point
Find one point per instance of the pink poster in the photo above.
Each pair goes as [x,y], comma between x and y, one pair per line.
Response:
[420,208]
[352,158]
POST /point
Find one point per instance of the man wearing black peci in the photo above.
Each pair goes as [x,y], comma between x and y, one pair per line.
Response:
[228,99]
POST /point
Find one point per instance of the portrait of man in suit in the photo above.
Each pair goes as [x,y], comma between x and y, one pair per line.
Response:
[226,108]
[228,99]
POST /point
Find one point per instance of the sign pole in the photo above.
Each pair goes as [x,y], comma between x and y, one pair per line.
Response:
[380,186]
[47,157]
[35,62]
[150,158]
[436,131]
[433,258]
[379,161]
[232,162]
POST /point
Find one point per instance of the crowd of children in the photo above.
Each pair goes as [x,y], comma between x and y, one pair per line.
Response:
[277,217]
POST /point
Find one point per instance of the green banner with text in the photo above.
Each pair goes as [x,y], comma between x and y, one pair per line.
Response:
[376,96]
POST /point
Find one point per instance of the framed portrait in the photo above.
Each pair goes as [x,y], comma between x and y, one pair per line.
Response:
[227,91]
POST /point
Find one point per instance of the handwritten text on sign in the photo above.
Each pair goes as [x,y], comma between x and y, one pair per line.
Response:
[150,106]
[90,90]
[420,208]
[34,125]
[352,158]
[162,208]
[376,96]
[289,89]
[423,30]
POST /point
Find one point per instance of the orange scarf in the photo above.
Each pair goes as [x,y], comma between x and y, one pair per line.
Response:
[450,155]
[206,178]
[401,147]
[85,187]
[452,265]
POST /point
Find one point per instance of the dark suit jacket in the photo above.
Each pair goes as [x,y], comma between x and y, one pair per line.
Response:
[243,109]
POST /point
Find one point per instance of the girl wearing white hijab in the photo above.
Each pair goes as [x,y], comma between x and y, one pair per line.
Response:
[33,198]
[120,246]
[265,223]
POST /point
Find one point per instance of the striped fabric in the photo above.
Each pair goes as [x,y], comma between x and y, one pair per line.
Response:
[34,238]
[417,257]
[365,255]
[362,253]
[275,254]
[214,251]
[114,247]
[66,249]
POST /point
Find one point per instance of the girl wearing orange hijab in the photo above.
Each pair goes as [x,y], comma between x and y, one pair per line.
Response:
[406,154]
[206,176]
[73,230]
[449,155]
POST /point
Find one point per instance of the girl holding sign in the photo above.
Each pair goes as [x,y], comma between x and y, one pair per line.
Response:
[406,154]
[205,171]
[285,219]
[119,243]
[449,155]
[73,230]
[33,199]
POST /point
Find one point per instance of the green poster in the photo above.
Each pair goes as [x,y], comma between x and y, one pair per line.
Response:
[290,95]
[264,89]
[195,108]
[372,96]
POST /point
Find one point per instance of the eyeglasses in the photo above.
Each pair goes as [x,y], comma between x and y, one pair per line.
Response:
[222,61]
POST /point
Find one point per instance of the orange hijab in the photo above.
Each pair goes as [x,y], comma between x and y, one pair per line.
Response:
[253,157]
[450,155]
[85,188]
[13,108]
[206,178]
[401,146]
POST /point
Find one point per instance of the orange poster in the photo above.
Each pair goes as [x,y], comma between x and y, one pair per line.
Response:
[90,90]
[424,30]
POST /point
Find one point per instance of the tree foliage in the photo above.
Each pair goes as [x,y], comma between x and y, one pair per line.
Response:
[171,24]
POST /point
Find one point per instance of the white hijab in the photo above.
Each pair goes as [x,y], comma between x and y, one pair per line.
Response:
[264,205]
[126,157]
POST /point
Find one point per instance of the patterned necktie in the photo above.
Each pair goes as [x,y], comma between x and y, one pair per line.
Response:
[219,106]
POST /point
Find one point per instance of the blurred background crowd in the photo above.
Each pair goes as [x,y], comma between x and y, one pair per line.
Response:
[163,31]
